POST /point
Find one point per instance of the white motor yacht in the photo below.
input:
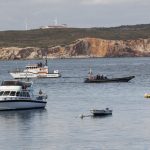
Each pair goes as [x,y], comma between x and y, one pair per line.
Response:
[15,94]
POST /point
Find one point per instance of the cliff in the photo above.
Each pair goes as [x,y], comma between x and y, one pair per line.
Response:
[85,47]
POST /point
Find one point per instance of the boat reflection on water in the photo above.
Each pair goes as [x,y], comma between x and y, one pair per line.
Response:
[22,115]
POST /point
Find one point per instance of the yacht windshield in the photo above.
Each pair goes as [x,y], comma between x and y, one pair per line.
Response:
[24,94]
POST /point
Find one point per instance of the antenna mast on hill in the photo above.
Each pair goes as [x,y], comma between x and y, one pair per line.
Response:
[26,25]
[56,22]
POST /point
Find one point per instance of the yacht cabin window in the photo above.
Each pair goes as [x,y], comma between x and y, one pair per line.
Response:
[31,67]
[18,93]
[24,94]
[6,93]
[28,95]
[1,93]
[12,93]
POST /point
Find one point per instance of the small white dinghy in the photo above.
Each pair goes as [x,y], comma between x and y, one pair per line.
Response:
[102,112]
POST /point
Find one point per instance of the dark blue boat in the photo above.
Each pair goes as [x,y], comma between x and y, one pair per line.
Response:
[105,79]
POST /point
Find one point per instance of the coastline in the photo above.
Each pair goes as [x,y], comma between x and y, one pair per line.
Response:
[80,57]
[83,48]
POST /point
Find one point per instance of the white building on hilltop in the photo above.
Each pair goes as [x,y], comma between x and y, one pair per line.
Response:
[55,25]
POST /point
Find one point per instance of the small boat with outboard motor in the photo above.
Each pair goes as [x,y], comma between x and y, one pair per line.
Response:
[104,79]
[15,94]
[98,113]
[101,112]
[39,70]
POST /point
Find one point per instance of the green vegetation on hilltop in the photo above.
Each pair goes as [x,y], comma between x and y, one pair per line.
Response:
[52,37]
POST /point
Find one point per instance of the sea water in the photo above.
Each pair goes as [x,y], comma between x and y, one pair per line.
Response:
[59,127]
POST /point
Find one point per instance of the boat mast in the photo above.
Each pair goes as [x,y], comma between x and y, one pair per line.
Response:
[90,73]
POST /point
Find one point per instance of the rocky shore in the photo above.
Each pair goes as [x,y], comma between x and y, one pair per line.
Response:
[82,48]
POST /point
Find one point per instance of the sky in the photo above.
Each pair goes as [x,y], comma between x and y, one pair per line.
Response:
[32,14]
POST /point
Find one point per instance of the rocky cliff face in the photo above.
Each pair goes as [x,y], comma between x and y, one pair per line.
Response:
[109,48]
[87,47]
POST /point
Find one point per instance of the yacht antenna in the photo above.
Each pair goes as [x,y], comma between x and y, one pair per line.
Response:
[26,24]
[90,72]
[46,49]
[55,21]
[46,60]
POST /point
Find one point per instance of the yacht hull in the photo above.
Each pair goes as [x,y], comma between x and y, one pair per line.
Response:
[23,75]
[21,104]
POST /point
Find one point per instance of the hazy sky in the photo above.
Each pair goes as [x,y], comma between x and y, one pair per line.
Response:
[75,13]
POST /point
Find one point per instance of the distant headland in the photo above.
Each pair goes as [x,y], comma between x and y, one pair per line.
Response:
[123,41]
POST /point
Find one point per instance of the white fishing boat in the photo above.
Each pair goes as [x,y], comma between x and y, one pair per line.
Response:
[15,94]
[38,70]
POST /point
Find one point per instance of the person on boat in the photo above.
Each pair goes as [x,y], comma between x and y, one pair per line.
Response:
[102,77]
[105,77]
[40,97]
[98,77]
[24,87]
[40,92]
[40,64]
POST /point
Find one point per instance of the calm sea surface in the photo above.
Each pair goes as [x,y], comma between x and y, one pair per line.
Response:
[59,127]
